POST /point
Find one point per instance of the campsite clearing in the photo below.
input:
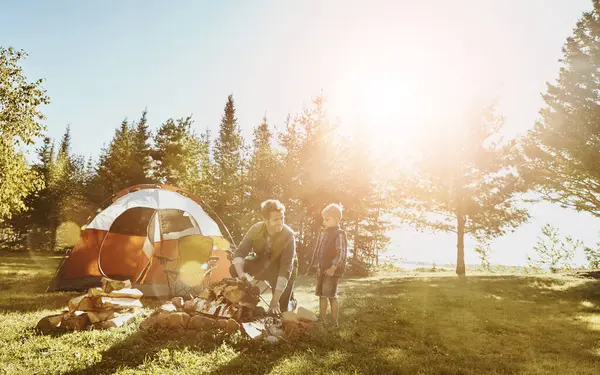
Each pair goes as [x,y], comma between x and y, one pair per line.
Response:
[428,324]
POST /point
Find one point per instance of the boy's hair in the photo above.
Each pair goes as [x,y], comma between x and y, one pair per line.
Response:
[271,205]
[333,210]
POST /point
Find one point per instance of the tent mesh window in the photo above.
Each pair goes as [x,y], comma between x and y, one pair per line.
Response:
[133,222]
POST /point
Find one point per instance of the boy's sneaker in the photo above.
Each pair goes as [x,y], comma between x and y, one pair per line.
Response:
[334,325]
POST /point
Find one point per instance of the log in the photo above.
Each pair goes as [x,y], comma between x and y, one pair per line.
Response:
[76,321]
[117,321]
[121,293]
[117,303]
[82,303]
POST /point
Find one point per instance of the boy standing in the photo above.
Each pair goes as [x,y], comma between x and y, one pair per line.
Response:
[330,259]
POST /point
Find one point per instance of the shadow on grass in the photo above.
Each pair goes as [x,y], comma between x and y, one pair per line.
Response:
[445,325]
[479,324]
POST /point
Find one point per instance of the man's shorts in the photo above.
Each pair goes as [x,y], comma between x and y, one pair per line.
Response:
[327,286]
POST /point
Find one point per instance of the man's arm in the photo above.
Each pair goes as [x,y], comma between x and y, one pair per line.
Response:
[242,251]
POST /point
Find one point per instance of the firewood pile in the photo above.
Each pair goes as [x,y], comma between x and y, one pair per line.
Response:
[109,306]
[228,306]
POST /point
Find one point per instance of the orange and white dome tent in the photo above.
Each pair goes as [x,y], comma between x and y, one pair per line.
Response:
[125,240]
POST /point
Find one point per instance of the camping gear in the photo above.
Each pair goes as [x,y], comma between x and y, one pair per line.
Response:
[138,236]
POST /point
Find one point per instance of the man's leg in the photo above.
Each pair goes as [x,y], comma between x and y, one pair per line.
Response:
[286,296]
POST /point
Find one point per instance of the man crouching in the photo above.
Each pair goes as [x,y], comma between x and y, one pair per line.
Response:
[274,245]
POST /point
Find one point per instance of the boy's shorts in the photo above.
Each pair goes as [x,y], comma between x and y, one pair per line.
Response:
[327,286]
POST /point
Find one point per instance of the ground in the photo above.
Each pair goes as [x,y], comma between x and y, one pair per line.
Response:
[391,324]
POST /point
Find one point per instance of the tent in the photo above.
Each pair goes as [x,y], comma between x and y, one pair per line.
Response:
[126,239]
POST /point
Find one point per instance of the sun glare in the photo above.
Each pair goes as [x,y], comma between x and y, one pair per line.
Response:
[391,105]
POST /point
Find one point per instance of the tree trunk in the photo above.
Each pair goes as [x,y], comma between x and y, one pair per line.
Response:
[460,246]
[355,251]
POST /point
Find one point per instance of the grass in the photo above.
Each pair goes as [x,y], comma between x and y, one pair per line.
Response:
[393,324]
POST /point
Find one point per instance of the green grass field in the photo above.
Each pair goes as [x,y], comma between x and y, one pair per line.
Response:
[395,324]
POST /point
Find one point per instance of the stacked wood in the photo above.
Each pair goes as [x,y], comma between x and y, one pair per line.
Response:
[109,306]
[229,307]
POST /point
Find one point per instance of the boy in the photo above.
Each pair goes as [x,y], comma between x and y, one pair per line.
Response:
[330,259]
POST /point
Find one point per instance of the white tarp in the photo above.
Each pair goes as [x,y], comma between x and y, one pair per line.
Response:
[158,199]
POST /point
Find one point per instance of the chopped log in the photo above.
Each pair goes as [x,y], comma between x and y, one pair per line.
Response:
[76,321]
[254,329]
[233,294]
[117,321]
[178,302]
[289,316]
[168,307]
[101,315]
[108,285]
[82,303]
[201,323]
[178,320]
[307,315]
[121,293]
[232,326]
[117,303]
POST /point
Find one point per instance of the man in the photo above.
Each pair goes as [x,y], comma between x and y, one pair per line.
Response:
[274,245]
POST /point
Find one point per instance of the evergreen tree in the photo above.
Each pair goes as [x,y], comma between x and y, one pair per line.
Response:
[461,183]
[263,167]
[141,161]
[114,167]
[228,169]
[560,154]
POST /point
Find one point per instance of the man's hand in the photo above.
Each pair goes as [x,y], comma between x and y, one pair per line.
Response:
[330,271]
[274,308]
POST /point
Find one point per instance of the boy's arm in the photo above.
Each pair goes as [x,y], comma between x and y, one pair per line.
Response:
[341,245]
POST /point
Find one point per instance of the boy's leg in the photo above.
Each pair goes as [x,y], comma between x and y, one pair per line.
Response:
[334,310]
[322,299]
[330,287]
[322,308]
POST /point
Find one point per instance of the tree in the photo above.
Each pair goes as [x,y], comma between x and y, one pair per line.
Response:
[461,182]
[228,169]
[263,167]
[179,154]
[552,251]
[559,156]
[20,126]
[114,166]
[141,160]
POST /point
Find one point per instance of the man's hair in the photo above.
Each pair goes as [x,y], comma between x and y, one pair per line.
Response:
[333,210]
[271,205]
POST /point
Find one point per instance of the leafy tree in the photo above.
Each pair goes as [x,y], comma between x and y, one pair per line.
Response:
[552,251]
[461,183]
[559,156]
[20,126]
[593,256]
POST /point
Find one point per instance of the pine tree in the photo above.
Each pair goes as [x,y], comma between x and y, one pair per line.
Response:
[114,167]
[560,154]
[462,183]
[228,171]
[263,167]
[141,161]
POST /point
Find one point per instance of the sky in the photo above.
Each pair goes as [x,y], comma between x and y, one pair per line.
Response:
[106,60]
